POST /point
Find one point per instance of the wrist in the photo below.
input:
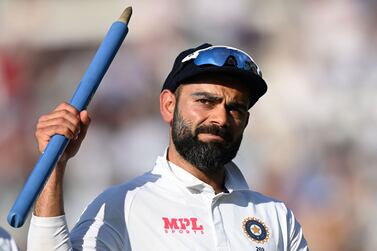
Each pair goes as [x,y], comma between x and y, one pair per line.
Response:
[62,161]
[60,166]
[50,201]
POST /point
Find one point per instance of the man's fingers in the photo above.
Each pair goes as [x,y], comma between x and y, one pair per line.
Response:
[72,124]
[63,115]
[73,118]
[68,107]
[63,110]
[49,131]
[44,134]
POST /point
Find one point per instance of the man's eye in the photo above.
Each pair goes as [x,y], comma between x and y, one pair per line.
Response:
[204,101]
[239,110]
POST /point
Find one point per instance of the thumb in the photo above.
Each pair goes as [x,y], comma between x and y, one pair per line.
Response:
[85,122]
[84,117]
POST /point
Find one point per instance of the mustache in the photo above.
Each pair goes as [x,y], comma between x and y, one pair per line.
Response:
[215,130]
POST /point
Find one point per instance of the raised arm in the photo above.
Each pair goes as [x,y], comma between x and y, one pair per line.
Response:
[48,227]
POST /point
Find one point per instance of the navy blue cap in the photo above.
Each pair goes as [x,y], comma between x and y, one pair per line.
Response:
[182,72]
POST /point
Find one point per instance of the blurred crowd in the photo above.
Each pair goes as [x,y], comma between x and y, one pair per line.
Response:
[311,140]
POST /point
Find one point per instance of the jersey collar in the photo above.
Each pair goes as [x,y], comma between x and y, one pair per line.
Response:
[234,180]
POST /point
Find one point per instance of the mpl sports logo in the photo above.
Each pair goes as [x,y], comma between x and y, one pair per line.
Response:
[182,226]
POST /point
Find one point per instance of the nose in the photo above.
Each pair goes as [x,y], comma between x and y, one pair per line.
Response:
[219,116]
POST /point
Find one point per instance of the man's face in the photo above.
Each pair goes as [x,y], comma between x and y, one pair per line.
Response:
[208,123]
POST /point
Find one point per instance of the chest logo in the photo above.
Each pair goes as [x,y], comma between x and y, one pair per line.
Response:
[182,225]
[255,230]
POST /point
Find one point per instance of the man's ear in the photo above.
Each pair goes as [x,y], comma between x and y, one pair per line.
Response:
[167,105]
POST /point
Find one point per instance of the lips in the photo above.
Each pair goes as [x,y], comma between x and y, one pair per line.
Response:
[212,137]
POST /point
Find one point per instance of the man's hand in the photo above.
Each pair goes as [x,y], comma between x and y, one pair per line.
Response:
[64,120]
[67,121]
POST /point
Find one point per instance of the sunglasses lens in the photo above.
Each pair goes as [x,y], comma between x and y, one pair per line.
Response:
[222,56]
[213,56]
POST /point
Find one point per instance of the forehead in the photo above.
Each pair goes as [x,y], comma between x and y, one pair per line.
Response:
[231,91]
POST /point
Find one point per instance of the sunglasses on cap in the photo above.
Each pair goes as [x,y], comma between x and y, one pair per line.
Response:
[224,56]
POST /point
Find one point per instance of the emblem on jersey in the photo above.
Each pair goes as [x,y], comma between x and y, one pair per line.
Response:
[255,230]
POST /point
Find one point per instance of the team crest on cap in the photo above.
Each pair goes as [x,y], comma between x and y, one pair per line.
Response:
[255,230]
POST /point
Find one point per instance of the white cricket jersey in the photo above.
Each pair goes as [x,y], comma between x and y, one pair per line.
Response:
[170,209]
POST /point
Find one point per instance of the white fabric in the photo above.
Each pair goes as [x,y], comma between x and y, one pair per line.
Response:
[169,209]
[7,243]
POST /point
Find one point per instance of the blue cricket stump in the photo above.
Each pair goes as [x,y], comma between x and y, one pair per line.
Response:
[80,100]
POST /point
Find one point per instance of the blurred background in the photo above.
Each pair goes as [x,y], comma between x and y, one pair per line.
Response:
[311,141]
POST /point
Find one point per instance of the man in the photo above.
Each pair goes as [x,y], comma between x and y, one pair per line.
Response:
[195,198]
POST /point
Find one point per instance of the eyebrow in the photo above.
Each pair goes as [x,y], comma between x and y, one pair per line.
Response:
[213,97]
[207,95]
[238,105]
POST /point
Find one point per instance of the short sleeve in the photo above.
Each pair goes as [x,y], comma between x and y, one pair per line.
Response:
[297,240]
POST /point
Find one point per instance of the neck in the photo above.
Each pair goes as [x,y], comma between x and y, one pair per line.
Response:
[215,180]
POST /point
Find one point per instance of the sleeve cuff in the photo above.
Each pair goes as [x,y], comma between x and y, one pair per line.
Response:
[48,233]
[55,221]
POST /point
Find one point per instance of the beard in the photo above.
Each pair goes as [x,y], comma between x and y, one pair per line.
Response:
[209,157]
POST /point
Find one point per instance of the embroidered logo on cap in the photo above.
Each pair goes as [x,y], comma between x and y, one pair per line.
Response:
[255,230]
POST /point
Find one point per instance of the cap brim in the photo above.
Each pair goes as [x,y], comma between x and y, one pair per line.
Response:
[256,84]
